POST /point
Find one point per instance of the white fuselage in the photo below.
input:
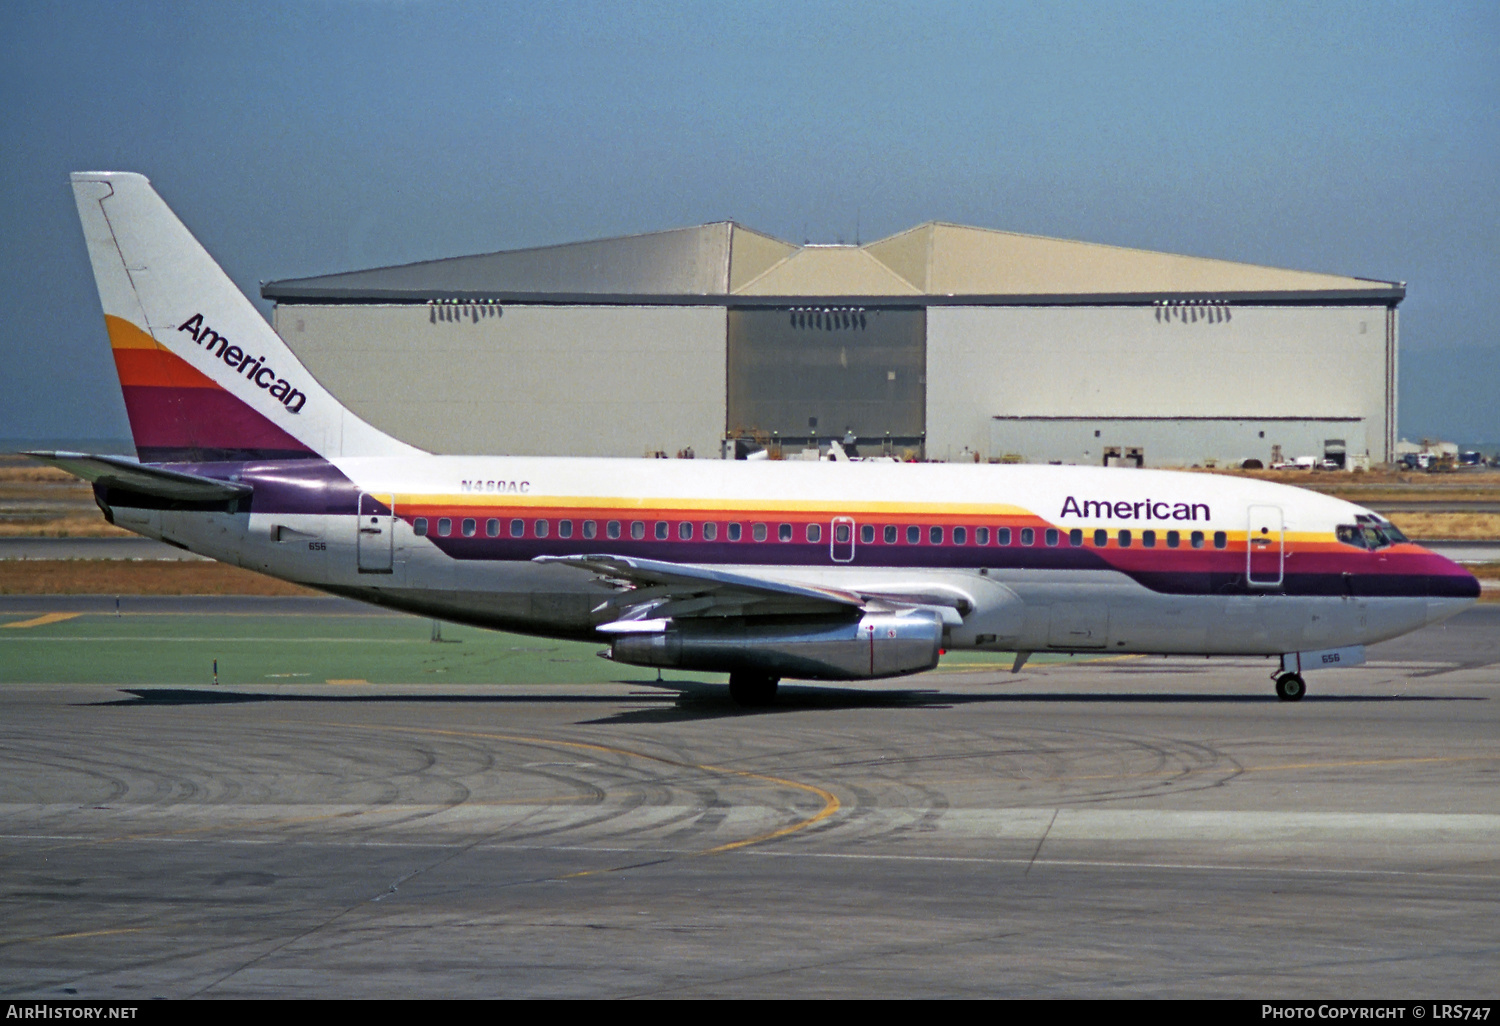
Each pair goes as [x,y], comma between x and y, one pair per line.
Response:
[1210,582]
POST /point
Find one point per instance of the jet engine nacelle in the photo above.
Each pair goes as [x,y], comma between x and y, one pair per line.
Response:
[877,645]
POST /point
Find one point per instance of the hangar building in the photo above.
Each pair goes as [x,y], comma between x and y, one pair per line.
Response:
[943,341]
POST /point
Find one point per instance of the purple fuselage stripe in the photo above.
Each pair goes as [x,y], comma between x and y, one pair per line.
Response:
[316,487]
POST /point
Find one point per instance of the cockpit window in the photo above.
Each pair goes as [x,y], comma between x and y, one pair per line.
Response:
[1350,535]
[1369,534]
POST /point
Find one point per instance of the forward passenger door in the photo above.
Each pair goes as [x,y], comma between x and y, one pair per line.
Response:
[1265,555]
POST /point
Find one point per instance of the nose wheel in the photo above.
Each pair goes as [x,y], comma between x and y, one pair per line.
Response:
[1290,687]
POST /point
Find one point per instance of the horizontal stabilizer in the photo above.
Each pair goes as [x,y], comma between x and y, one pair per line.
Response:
[119,472]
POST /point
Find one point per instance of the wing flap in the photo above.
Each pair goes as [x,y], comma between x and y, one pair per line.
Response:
[659,589]
[119,472]
[652,592]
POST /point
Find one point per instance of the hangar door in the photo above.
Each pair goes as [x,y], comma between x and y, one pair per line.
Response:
[810,374]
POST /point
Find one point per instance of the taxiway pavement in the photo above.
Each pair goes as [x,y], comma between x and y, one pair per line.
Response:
[1132,827]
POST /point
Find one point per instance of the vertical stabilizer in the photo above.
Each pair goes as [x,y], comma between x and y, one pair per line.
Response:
[204,376]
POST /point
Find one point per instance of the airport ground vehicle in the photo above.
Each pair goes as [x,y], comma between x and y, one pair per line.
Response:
[760,568]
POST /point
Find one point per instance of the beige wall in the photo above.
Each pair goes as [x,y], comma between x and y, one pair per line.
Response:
[1110,362]
[535,380]
[622,380]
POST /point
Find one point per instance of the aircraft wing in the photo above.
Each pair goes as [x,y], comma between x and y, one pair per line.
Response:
[119,472]
[651,591]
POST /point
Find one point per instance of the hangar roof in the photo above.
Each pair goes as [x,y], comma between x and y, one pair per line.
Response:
[935,263]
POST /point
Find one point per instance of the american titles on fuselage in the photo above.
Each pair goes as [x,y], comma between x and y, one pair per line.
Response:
[1144,509]
[252,367]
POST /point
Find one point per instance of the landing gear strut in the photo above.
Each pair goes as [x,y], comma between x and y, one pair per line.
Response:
[1290,687]
[752,690]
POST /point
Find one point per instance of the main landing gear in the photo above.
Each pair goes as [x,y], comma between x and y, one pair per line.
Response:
[1290,687]
[752,690]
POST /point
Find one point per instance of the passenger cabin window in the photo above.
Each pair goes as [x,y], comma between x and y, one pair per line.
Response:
[637,529]
[914,535]
[1221,540]
[841,533]
[492,528]
[445,527]
[541,528]
[890,534]
[1028,536]
[685,531]
[960,536]
[419,526]
[784,532]
[758,532]
[710,532]
[1197,539]
[590,528]
[815,533]
[469,527]
[867,533]
[612,529]
[935,535]
[1075,537]
[565,528]
[517,528]
[1101,538]
[1002,536]
[1124,539]
[735,530]
[1174,539]
[981,536]
[1052,536]
[1148,539]
[661,530]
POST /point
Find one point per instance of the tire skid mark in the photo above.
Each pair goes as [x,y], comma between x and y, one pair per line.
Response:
[831,804]
[830,807]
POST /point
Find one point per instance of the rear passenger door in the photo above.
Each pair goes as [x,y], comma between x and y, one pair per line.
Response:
[375,539]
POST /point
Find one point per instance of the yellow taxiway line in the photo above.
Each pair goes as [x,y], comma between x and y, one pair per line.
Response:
[43,620]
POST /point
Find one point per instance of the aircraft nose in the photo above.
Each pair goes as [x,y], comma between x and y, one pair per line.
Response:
[1450,588]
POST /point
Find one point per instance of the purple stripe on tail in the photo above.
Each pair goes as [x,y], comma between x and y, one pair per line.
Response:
[198,424]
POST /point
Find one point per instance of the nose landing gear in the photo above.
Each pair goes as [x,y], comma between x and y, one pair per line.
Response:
[1290,687]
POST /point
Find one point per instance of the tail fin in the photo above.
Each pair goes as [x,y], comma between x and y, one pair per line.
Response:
[204,376]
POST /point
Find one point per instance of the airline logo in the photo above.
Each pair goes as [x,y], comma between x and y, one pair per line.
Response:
[1146,509]
[252,367]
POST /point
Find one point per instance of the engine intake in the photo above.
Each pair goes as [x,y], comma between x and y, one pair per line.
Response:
[877,645]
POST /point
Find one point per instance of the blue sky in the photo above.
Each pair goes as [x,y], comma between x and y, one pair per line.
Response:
[303,138]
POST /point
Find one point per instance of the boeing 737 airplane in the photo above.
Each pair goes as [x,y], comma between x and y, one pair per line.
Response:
[762,569]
